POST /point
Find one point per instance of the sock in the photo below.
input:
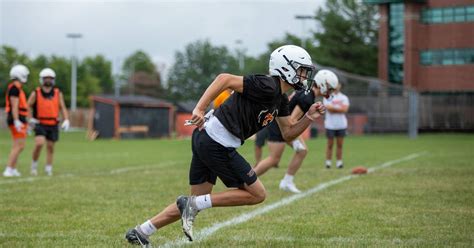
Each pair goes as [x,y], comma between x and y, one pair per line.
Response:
[339,163]
[9,169]
[203,202]
[34,165]
[48,168]
[147,228]
[328,162]
[288,177]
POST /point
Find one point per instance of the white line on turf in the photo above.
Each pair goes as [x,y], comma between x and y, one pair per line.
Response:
[206,232]
[112,172]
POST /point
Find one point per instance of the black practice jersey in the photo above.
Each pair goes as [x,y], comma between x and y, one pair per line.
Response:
[299,99]
[244,114]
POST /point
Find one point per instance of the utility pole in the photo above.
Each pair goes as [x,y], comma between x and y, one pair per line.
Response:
[74,37]
[303,19]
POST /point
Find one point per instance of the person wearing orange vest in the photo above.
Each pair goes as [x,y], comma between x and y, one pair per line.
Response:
[220,99]
[46,102]
[17,112]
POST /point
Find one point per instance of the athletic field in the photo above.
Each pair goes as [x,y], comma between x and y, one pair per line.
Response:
[420,194]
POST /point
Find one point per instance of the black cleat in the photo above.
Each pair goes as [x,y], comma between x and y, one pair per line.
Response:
[188,214]
[340,166]
[135,237]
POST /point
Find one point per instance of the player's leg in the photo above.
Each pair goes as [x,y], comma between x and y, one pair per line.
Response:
[17,147]
[49,157]
[40,140]
[276,151]
[339,144]
[300,148]
[329,145]
[260,138]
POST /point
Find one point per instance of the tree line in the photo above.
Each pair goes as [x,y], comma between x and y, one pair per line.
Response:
[345,37]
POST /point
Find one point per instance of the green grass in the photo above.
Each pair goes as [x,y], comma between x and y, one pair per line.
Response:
[425,202]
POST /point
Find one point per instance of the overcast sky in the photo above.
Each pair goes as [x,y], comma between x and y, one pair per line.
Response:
[160,28]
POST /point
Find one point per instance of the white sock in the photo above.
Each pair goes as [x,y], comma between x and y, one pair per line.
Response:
[147,228]
[48,168]
[338,162]
[34,165]
[288,178]
[328,162]
[203,202]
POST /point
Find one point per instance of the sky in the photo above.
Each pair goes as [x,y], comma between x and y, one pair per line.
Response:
[116,29]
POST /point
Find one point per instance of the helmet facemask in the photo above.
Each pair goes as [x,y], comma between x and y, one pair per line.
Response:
[304,75]
[47,81]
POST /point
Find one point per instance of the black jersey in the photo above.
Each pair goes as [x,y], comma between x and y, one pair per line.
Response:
[304,101]
[244,114]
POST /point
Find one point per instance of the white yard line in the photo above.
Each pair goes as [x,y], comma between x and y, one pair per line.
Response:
[206,232]
[112,172]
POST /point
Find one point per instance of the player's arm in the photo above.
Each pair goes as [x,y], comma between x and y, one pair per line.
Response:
[296,114]
[31,102]
[222,82]
[291,130]
[339,109]
[62,106]
[14,100]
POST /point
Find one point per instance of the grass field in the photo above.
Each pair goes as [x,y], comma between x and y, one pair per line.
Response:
[102,188]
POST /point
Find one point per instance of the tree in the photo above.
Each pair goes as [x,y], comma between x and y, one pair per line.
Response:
[196,67]
[348,39]
[142,75]
[100,68]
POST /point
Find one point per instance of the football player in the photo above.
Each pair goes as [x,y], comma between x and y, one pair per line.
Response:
[257,101]
[326,83]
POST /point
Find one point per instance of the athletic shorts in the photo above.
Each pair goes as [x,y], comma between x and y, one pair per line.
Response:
[274,133]
[335,133]
[16,134]
[51,133]
[211,160]
[262,135]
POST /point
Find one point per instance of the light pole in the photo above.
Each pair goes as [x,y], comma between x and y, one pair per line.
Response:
[241,53]
[303,19]
[74,37]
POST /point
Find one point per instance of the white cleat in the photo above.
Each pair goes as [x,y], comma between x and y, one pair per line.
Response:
[49,173]
[289,187]
[8,173]
[16,173]
[34,172]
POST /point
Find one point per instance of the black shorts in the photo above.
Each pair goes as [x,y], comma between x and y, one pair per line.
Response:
[274,133]
[335,133]
[262,135]
[50,132]
[211,160]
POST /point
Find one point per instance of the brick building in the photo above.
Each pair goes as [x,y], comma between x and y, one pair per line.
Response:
[427,44]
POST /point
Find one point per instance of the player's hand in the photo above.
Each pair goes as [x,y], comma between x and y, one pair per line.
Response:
[321,108]
[316,110]
[198,117]
[31,124]
[18,125]
[66,124]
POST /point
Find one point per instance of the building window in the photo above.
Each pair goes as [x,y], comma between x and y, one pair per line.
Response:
[447,56]
[396,41]
[448,15]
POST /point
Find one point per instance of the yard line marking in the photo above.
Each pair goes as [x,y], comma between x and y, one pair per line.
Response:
[208,231]
[104,173]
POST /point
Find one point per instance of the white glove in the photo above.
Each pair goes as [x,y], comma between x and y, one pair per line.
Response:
[18,125]
[298,145]
[65,125]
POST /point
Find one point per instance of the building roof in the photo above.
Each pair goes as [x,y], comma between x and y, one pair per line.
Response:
[133,100]
[185,106]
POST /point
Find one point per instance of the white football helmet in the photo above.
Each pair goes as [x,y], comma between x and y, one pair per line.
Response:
[326,81]
[47,72]
[20,73]
[285,62]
